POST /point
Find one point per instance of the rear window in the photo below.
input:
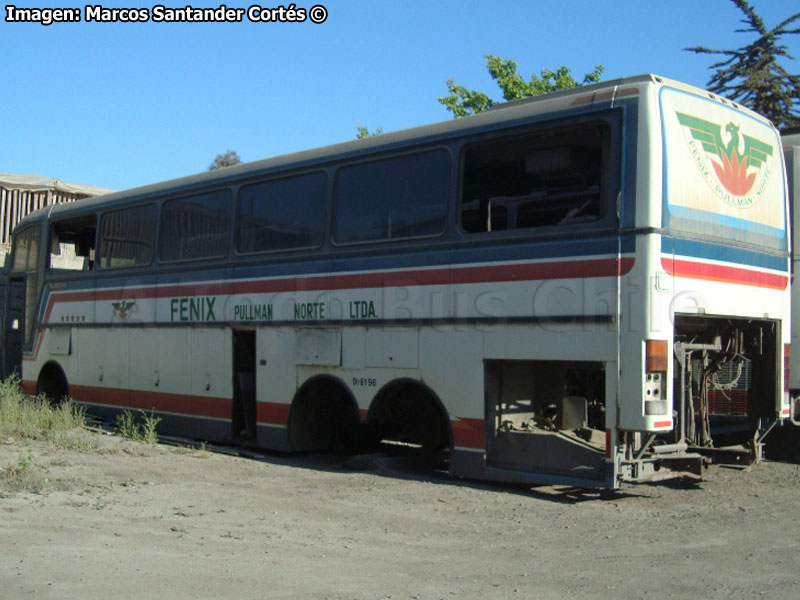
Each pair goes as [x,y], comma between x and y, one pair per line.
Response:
[722,174]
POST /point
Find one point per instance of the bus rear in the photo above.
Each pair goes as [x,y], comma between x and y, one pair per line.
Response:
[715,358]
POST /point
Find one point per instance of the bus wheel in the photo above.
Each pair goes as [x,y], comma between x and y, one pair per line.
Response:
[52,383]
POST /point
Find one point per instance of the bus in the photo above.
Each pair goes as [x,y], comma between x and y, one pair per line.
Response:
[585,288]
[791,149]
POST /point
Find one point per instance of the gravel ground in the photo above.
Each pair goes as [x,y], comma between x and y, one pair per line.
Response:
[129,520]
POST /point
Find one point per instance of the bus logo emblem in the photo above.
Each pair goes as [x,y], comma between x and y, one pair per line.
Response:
[122,309]
[736,171]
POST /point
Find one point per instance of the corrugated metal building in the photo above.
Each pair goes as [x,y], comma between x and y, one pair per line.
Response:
[23,194]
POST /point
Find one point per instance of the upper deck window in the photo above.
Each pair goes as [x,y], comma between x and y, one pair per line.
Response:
[400,197]
[547,178]
[282,214]
[195,227]
[127,237]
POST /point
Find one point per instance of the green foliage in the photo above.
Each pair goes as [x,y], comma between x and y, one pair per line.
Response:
[149,433]
[363,132]
[127,426]
[228,159]
[130,427]
[462,102]
[752,76]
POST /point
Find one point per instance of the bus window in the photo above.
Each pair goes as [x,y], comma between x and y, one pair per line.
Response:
[546,178]
[281,214]
[72,244]
[26,249]
[195,227]
[127,237]
[402,197]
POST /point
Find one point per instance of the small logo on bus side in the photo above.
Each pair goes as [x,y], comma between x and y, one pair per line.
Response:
[122,309]
[736,172]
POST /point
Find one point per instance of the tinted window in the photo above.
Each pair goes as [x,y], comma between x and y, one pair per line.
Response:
[26,249]
[396,198]
[551,177]
[281,214]
[195,227]
[127,237]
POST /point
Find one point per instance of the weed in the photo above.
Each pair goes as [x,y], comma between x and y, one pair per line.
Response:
[149,433]
[25,459]
[23,475]
[129,427]
[34,418]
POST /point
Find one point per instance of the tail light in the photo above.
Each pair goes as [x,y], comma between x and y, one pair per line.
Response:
[656,361]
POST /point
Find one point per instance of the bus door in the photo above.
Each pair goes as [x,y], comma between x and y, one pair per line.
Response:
[244,385]
[21,298]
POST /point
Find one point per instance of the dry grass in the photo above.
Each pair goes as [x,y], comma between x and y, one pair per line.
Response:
[24,418]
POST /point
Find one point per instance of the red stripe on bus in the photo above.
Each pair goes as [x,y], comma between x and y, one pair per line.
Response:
[29,387]
[725,274]
[272,413]
[468,433]
[199,406]
[605,267]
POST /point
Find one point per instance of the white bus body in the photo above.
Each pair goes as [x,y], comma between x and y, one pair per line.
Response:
[584,288]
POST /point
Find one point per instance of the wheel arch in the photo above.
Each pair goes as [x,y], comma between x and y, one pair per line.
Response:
[323,415]
[411,410]
[52,381]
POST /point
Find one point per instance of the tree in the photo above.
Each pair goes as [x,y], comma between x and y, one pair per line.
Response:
[752,76]
[363,132]
[228,159]
[462,102]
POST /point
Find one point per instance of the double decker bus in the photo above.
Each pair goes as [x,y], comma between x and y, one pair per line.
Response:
[583,288]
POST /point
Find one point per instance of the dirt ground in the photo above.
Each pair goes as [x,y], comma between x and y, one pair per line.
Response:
[131,520]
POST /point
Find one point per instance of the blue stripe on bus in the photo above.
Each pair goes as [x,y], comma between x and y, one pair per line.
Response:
[715,219]
[731,254]
[395,259]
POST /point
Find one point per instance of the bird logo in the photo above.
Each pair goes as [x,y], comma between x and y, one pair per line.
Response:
[122,309]
[735,170]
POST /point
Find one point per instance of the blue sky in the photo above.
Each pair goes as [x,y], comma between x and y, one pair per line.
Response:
[126,104]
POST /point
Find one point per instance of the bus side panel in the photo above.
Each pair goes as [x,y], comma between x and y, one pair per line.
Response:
[276,385]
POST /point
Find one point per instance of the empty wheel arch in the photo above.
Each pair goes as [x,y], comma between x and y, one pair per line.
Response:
[324,416]
[52,383]
[409,412]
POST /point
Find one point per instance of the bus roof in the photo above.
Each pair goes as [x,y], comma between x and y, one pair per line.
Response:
[603,93]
